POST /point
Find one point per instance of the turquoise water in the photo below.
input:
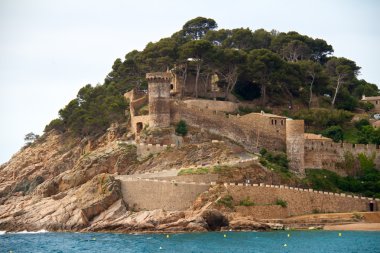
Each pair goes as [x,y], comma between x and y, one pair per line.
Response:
[299,241]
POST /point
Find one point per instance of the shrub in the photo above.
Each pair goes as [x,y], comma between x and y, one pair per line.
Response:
[277,161]
[226,201]
[56,124]
[195,171]
[246,202]
[367,106]
[281,203]
[334,132]
[363,122]
[181,128]
[321,118]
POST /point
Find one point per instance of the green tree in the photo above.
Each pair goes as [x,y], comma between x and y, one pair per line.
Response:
[229,63]
[218,37]
[197,28]
[341,71]
[263,65]
[31,137]
[311,71]
[160,55]
[197,52]
[334,132]
[261,39]
[181,128]
[240,38]
[295,50]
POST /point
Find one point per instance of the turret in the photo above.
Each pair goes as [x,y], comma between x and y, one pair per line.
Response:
[159,99]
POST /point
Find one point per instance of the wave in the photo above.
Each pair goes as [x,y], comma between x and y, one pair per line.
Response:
[30,232]
[2,232]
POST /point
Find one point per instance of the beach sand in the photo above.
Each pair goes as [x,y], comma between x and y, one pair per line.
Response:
[362,226]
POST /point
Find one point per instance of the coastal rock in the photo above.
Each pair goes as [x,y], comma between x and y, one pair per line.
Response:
[245,223]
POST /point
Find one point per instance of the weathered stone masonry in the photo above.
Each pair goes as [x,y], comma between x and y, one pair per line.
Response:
[254,131]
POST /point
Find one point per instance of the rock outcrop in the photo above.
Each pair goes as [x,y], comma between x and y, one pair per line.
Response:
[63,184]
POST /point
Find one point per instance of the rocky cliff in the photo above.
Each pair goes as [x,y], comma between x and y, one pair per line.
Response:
[61,183]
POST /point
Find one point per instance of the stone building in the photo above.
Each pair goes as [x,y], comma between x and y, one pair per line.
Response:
[373,100]
[254,131]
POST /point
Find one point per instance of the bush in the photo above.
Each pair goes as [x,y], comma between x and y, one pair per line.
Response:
[281,203]
[367,106]
[56,124]
[322,118]
[226,201]
[334,132]
[196,171]
[363,122]
[246,202]
[181,128]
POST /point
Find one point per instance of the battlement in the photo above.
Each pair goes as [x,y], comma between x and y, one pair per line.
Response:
[158,77]
[145,149]
[152,193]
[328,145]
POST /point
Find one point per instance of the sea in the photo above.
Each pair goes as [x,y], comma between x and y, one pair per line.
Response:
[211,242]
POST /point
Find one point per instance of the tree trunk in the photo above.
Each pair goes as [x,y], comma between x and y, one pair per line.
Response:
[197,79]
[184,77]
[339,82]
[290,95]
[311,89]
[263,94]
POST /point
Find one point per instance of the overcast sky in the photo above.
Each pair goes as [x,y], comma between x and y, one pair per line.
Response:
[49,49]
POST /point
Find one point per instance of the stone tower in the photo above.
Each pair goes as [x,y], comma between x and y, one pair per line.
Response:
[159,99]
[295,145]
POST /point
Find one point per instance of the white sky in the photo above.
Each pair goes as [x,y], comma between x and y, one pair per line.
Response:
[49,49]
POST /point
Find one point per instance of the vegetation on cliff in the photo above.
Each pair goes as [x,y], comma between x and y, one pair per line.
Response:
[277,67]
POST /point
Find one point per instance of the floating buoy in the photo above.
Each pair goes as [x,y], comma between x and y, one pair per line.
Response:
[340,234]
[285,245]
[225,235]
[160,247]
[167,236]
[94,239]
[288,235]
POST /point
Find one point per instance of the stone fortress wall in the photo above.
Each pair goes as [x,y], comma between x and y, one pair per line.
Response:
[265,131]
[254,131]
[136,101]
[143,150]
[212,105]
[326,153]
[150,194]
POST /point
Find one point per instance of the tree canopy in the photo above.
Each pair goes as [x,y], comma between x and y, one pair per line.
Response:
[281,67]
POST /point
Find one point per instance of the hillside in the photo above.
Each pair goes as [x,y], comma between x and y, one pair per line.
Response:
[181,137]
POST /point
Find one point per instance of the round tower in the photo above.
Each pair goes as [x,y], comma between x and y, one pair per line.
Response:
[159,99]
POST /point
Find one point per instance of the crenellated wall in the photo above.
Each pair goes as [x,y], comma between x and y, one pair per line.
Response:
[145,149]
[326,153]
[254,131]
[150,194]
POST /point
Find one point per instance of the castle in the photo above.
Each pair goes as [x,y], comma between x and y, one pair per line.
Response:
[254,131]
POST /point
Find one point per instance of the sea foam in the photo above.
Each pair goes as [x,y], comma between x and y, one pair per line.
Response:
[30,232]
